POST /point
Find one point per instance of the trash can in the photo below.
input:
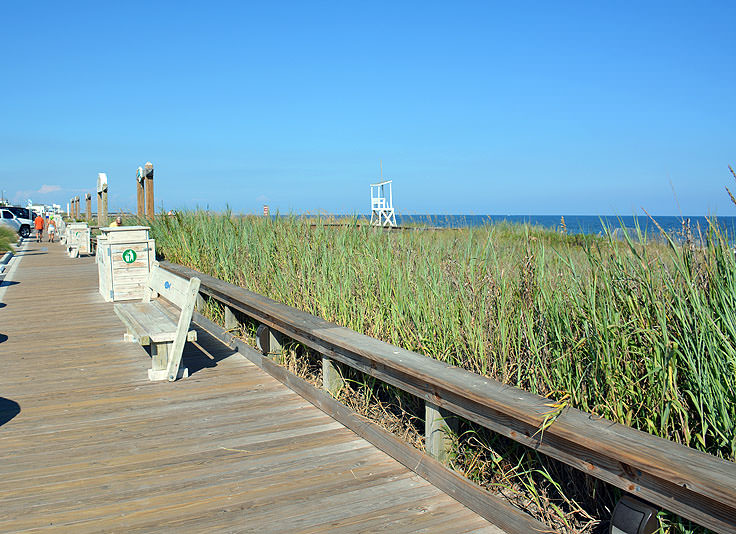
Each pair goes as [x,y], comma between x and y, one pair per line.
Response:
[77,239]
[124,258]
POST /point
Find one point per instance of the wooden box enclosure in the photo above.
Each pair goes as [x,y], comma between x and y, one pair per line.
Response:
[125,255]
[78,236]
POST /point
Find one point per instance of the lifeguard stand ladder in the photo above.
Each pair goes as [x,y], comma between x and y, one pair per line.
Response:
[382,208]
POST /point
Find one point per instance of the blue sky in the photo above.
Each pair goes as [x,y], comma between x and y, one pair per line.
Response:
[473,107]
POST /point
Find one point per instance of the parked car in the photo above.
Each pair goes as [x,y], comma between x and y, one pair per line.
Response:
[8,219]
[25,217]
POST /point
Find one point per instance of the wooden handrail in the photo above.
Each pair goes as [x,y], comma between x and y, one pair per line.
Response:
[695,485]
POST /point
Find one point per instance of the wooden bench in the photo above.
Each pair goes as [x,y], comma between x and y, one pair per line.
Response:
[150,323]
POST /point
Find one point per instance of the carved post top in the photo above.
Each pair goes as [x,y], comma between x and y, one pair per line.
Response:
[101,182]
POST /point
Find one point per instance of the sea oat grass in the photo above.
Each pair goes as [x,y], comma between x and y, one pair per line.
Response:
[638,331]
[8,238]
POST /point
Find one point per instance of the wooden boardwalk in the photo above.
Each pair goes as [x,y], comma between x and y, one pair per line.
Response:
[88,444]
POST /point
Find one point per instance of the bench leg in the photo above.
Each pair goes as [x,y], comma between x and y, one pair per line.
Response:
[160,362]
[159,355]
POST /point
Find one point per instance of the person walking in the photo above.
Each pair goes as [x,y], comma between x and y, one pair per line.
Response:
[52,230]
[38,224]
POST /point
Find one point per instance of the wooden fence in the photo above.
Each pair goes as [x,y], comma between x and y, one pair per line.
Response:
[692,484]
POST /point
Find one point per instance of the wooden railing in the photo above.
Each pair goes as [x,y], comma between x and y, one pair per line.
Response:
[697,486]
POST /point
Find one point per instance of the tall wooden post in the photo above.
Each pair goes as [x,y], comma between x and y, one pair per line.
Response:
[148,172]
[140,192]
[88,198]
[102,199]
[76,207]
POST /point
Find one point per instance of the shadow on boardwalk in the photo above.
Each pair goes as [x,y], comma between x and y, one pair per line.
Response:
[8,409]
[206,353]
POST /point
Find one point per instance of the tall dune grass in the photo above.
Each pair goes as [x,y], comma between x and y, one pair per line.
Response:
[641,333]
[8,238]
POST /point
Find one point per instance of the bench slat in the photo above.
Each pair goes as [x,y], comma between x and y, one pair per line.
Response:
[187,308]
[168,285]
[150,322]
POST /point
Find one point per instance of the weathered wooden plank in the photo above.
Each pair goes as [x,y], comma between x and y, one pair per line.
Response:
[690,483]
[150,322]
[173,288]
[98,448]
[187,308]
[480,501]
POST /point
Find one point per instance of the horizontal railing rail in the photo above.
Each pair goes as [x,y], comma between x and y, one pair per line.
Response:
[695,485]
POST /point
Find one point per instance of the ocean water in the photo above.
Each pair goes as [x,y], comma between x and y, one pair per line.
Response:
[578,224]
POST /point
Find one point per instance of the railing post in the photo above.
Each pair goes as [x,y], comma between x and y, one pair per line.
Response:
[199,304]
[267,341]
[332,380]
[231,322]
[437,424]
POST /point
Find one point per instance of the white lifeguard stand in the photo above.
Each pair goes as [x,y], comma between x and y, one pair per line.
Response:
[382,208]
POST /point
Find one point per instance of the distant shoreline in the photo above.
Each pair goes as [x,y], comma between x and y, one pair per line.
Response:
[574,224]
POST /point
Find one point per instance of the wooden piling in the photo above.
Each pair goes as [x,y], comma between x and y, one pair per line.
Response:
[88,199]
[101,199]
[140,192]
[148,173]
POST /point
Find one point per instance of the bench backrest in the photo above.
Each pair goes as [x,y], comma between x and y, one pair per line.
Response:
[173,288]
[182,293]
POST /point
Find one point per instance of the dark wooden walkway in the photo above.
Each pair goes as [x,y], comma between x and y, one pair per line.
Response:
[88,444]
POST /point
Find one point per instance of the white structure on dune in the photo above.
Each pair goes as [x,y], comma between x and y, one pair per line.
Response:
[382,208]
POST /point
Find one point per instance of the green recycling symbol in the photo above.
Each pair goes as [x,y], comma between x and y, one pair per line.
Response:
[129,255]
